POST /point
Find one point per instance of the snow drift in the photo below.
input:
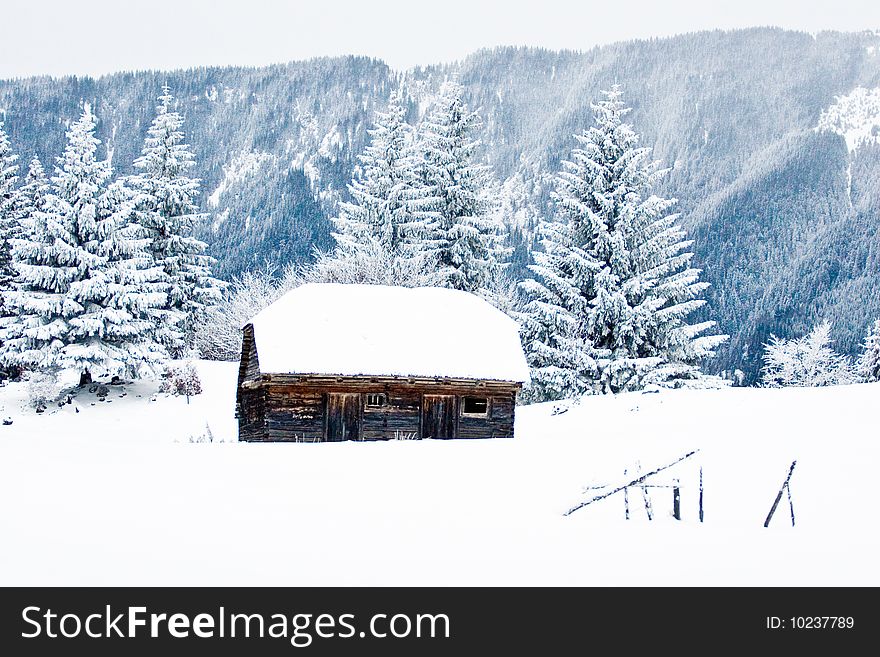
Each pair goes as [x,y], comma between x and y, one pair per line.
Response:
[117,494]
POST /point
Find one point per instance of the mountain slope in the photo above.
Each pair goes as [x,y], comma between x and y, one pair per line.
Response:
[732,113]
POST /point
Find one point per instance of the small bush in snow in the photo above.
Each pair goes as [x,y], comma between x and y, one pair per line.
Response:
[183,380]
[806,362]
[218,336]
[869,363]
[368,264]
[205,437]
[43,389]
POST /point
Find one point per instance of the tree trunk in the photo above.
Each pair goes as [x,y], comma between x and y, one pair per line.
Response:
[85,378]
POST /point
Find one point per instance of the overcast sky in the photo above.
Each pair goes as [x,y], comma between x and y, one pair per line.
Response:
[92,37]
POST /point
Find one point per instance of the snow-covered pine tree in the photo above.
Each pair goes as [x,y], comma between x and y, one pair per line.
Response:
[32,193]
[561,356]
[10,228]
[869,362]
[30,200]
[389,205]
[167,209]
[617,266]
[87,284]
[463,238]
[44,253]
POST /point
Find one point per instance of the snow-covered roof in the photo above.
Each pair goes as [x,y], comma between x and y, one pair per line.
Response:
[379,330]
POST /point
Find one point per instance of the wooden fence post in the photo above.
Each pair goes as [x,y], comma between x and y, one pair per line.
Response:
[783,489]
[701,493]
[676,500]
[645,496]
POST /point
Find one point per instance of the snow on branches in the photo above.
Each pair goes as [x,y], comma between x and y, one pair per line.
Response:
[420,204]
[868,366]
[182,380]
[107,276]
[808,361]
[463,239]
[167,211]
[613,287]
[10,227]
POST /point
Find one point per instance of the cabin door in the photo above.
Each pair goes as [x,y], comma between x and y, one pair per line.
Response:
[438,416]
[343,417]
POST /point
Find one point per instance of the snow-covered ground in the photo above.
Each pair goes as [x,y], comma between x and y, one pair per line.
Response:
[116,494]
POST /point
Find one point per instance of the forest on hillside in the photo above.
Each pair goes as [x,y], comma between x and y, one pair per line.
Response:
[783,216]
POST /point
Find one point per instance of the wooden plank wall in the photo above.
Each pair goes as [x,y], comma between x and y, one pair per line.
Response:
[398,418]
[249,402]
[293,407]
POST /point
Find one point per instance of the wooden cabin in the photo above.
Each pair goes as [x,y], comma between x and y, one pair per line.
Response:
[330,362]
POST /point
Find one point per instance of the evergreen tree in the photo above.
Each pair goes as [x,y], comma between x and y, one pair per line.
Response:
[31,199]
[463,238]
[390,205]
[86,284]
[167,210]
[10,227]
[869,362]
[561,356]
[32,193]
[617,265]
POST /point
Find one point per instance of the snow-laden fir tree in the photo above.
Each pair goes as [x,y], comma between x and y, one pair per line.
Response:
[808,361]
[32,193]
[30,200]
[613,288]
[463,239]
[10,227]
[167,209]
[562,358]
[390,205]
[87,284]
[869,362]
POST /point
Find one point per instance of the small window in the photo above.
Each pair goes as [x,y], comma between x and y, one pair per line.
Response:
[475,406]
[376,400]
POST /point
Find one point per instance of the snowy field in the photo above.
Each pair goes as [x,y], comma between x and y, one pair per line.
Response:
[117,494]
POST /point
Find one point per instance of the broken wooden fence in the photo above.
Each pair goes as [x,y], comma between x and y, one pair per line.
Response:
[641,483]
